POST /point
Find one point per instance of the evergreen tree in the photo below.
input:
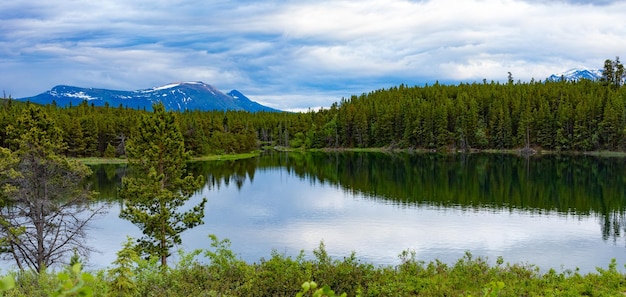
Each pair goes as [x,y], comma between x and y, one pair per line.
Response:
[10,233]
[90,135]
[619,72]
[44,195]
[612,123]
[607,72]
[74,139]
[109,152]
[154,197]
[613,73]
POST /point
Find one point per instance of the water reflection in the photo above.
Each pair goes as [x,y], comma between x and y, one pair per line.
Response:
[547,210]
[579,185]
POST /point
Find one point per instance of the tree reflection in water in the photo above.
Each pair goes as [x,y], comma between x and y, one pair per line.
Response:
[562,184]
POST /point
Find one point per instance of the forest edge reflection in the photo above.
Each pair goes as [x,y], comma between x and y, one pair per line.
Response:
[576,185]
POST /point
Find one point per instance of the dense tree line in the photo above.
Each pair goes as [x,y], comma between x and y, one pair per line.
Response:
[566,116]
[555,115]
[89,131]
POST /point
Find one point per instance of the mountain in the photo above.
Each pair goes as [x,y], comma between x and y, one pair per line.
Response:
[577,74]
[175,96]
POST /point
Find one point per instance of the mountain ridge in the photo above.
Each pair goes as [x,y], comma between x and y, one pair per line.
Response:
[179,96]
[576,74]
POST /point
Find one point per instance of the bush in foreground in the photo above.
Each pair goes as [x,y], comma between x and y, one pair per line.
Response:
[219,272]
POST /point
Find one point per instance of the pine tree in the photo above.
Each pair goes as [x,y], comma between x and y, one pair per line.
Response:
[153,198]
[607,73]
[90,135]
[620,74]
[109,152]
[613,73]
[10,233]
[45,199]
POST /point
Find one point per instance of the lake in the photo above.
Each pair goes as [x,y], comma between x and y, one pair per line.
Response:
[555,211]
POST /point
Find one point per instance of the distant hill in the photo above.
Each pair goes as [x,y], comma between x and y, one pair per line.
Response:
[577,74]
[175,96]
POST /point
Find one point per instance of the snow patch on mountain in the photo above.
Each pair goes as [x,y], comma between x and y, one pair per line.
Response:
[174,85]
[168,86]
[80,95]
[576,74]
[181,96]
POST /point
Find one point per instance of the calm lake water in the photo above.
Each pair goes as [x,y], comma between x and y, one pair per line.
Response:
[557,212]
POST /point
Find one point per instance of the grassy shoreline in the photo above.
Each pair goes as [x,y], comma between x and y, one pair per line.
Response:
[537,152]
[229,157]
[224,157]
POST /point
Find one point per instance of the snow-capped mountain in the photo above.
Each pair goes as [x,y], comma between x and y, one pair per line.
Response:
[174,96]
[577,74]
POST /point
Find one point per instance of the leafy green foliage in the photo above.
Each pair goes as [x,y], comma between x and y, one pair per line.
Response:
[310,287]
[6,283]
[225,275]
[221,255]
[72,283]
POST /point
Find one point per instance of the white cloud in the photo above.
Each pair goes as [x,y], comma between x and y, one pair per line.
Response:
[271,47]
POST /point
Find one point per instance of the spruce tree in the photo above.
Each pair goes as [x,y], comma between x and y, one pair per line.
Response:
[46,207]
[154,196]
[613,73]
[620,74]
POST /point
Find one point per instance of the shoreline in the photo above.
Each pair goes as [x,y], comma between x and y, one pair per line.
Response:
[223,157]
[534,152]
[230,157]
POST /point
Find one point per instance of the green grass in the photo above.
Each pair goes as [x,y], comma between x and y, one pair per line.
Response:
[99,161]
[227,156]
[606,154]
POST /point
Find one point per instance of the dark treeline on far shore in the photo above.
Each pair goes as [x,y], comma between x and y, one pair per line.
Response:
[550,115]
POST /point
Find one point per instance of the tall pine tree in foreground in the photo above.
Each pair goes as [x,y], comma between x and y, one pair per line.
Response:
[154,196]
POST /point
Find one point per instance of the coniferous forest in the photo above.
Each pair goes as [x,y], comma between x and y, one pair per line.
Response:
[560,116]
[38,173]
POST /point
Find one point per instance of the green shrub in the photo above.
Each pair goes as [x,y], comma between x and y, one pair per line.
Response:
[222,273]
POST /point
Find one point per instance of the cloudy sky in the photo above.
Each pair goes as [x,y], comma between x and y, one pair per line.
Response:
[299,54]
